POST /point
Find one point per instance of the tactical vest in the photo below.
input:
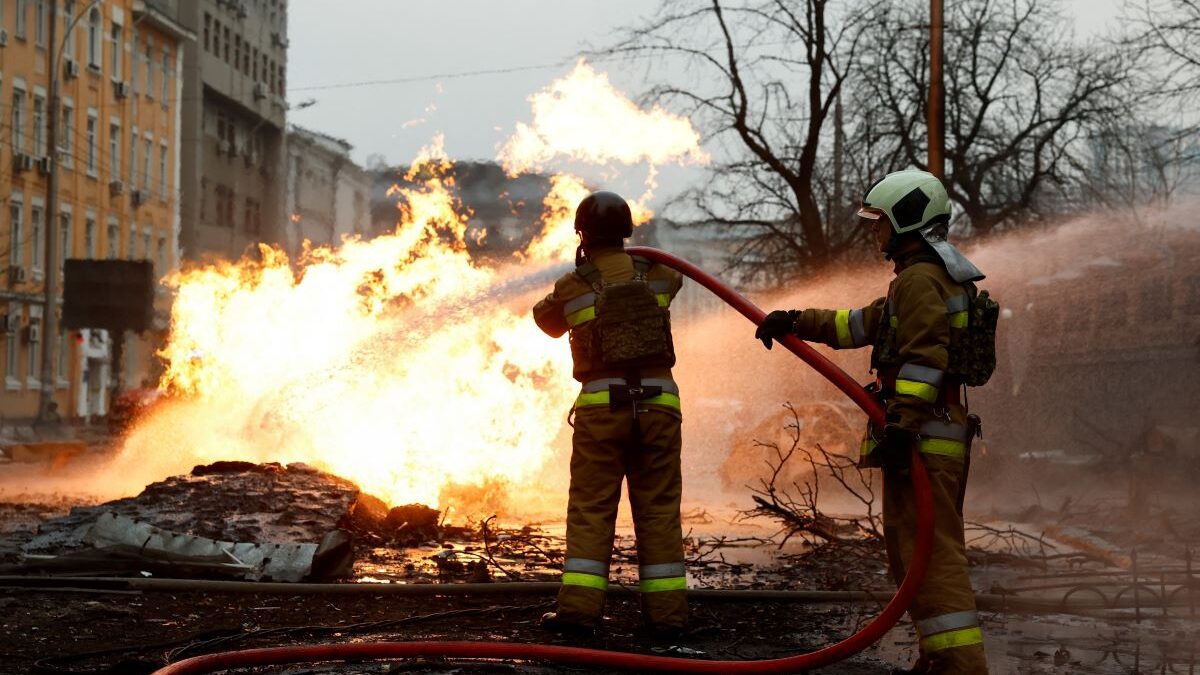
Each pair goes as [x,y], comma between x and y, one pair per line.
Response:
[972,350]
[621,325]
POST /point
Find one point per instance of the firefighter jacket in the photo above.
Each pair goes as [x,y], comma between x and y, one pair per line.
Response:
[910,332]
[573,304]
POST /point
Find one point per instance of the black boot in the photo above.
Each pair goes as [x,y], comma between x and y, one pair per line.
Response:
[551,622]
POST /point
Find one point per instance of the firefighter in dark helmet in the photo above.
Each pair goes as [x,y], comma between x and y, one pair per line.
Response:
[626,420]
[923,354]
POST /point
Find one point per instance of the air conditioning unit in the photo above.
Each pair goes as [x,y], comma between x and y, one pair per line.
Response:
[17,275]
[242,12]
[227,148]
[115,188]
[11,323]
[71,69]
[33,333]
[260,91]
[3,38]
[43,165]
[22,162]
[138,197]
[121,89]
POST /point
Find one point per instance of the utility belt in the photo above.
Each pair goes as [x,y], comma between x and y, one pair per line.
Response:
[617,393]
[940,436]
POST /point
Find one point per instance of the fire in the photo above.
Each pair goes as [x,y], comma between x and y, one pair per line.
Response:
[583,117]
[383,361]
[397,362]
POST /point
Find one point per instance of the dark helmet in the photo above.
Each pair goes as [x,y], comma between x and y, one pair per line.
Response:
[604,216]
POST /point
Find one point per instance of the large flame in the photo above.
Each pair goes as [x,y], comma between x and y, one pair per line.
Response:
[583,117]
[397,362]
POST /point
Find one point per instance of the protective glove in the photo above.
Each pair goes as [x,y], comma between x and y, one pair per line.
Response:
[894,449]
[776,325]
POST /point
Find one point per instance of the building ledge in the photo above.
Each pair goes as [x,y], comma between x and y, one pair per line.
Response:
[147,10]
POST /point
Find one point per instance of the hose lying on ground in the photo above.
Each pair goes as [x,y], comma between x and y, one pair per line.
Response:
[860,640]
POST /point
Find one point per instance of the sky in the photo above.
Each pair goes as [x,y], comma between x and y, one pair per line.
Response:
[434,47]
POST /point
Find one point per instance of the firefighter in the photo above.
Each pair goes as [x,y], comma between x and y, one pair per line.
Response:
[914,333]
[626,420]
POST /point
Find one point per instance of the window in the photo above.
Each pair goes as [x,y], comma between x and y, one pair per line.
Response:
[39,23]
[147,157]
[162,171]
[93,39]
[115,52]
[60,367]
[135,65]
[37,236]
[12,352]
[39,125]
[237,51]
[271,73]
[92,131]
[68,134]
[216,50]
[114,239]
[225,55]
[65,244]
[18,121]
[34,352]
[114,149]
[160,256]
[89,236]
[254,65]
[204,200]
[146,243]
[68,19]
[133,148]
[16,231]
[166,74]
[131,245]
[21,27]
[207,29]
[149,62]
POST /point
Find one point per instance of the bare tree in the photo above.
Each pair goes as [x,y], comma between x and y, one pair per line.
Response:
[796,504]
[1166,34]
[1022,96]
[769,77]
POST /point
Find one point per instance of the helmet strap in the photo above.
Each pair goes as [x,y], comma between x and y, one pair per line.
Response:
[892,245]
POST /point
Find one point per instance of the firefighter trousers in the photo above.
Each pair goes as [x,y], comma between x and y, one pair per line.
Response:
[607,447]
[944,609]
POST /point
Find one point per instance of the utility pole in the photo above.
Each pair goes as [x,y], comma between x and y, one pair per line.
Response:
[936,121]
[50,344]
[50,311]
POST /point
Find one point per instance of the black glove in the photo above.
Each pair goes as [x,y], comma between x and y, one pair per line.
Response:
[895,448]
[776,325]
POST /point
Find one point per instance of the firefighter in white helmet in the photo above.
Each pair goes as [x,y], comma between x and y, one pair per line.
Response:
[923,354]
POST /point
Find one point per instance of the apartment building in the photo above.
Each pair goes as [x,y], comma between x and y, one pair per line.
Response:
[328,195]
[119,71]
[233,172]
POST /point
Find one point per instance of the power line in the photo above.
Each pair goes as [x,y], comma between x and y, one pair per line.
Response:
[439,76]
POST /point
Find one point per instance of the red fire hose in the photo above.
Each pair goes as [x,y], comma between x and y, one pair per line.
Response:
[857,642]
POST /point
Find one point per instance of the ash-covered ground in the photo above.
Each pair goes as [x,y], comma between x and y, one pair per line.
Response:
[1040,573]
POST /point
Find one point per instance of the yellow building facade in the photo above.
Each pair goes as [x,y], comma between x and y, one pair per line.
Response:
[118,147]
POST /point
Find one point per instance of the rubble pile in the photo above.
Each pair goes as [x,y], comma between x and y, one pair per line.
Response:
[255,521]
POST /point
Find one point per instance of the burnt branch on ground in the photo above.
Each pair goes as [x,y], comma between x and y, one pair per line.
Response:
[796,504]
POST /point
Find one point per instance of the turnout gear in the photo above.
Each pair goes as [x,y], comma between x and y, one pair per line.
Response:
[916,201]
[775,325]
[627,421]
[918,334]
